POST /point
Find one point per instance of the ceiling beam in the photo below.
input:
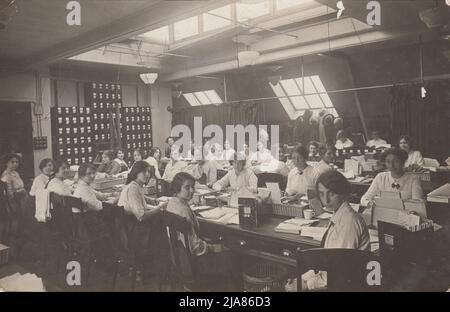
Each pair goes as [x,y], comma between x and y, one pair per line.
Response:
[320,46]
[156,15]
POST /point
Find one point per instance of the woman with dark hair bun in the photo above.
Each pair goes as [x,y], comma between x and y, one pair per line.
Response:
[56,183]
[14,183]
[396,179]
[46,166]
[346,229]
[132,198]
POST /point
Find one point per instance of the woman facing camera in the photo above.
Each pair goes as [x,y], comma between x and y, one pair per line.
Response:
[415,158]
[46,166]
[154,160]
[14,183]
[396,179]
[132,198]
[238,178]
[346,229]
[108,165]
[301,177]
[56,184]
[208,258]
[120,160]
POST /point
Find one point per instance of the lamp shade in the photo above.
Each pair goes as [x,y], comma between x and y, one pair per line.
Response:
[149,78]
[247,58]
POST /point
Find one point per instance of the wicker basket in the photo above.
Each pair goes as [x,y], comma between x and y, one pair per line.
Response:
[288,210]
[265,276]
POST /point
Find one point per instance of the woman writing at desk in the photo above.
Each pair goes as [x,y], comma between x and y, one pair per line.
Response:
[238,178]
[394,180]
[347,229]
[415,158]
[301,177]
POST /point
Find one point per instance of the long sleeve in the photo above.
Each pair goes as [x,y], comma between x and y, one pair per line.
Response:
[253,181]
[102,168]
[416,189]
[223,183]
[115,168]
[212,172]
[374,190]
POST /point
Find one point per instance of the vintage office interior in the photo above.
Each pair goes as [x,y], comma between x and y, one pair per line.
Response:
[346,186]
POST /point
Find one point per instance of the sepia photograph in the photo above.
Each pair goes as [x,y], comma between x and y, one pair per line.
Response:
[226,153]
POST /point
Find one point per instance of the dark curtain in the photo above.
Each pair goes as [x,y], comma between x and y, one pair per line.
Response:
[227,114]
[426,120]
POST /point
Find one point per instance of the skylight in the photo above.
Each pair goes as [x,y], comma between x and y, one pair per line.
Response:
[212,22]
[160,35]
[247,11]
[203,98]
[284,4]
[185,28]
[297,95]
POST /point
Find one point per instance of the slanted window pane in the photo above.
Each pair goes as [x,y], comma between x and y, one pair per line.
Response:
[211,22]
[213,96]
[284,4]
[160,35]
[202,98]
[290,86]
[185,28]
[191,99]
[246,11]
[278,90]
[299,102]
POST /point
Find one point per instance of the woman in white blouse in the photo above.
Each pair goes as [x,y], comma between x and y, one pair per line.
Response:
[394,180]
[346,229]
[120,160]
[415,158]
[46,166]
[301,177]
[238,178]
[132,198]
[342,141]
[57,184]
[153,160]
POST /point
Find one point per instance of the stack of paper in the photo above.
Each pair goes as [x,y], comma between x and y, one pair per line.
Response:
[19,282]
[440,195]
[215,213]
[293,226]
[374,242]
[315,232]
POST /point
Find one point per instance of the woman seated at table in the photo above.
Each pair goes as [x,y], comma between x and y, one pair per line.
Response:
[346,229]
[57,184]
[237,178]
[120,160]
[109,165]
[313,148]
[138,155]
[175,165]
[394,180]
[415,158]
[342,141]
[91,198]
[10,176]
[132,198]
[327,155]
[211,257]
[46,166]
[154,160]
[301,177]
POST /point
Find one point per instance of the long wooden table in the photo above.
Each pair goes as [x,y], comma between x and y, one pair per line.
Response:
[262,242]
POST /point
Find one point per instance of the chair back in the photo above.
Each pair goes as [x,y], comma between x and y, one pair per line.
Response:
[346,268]
[5,208]
[271,177]
[178,229]
[62,215]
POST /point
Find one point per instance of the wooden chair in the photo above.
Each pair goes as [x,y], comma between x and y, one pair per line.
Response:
[182,266]
[346,268]
[271,177]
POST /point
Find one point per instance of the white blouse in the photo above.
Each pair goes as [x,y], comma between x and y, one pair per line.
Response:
[39,183]
[414,158]
[299,182]
[409,183]
[341,145]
